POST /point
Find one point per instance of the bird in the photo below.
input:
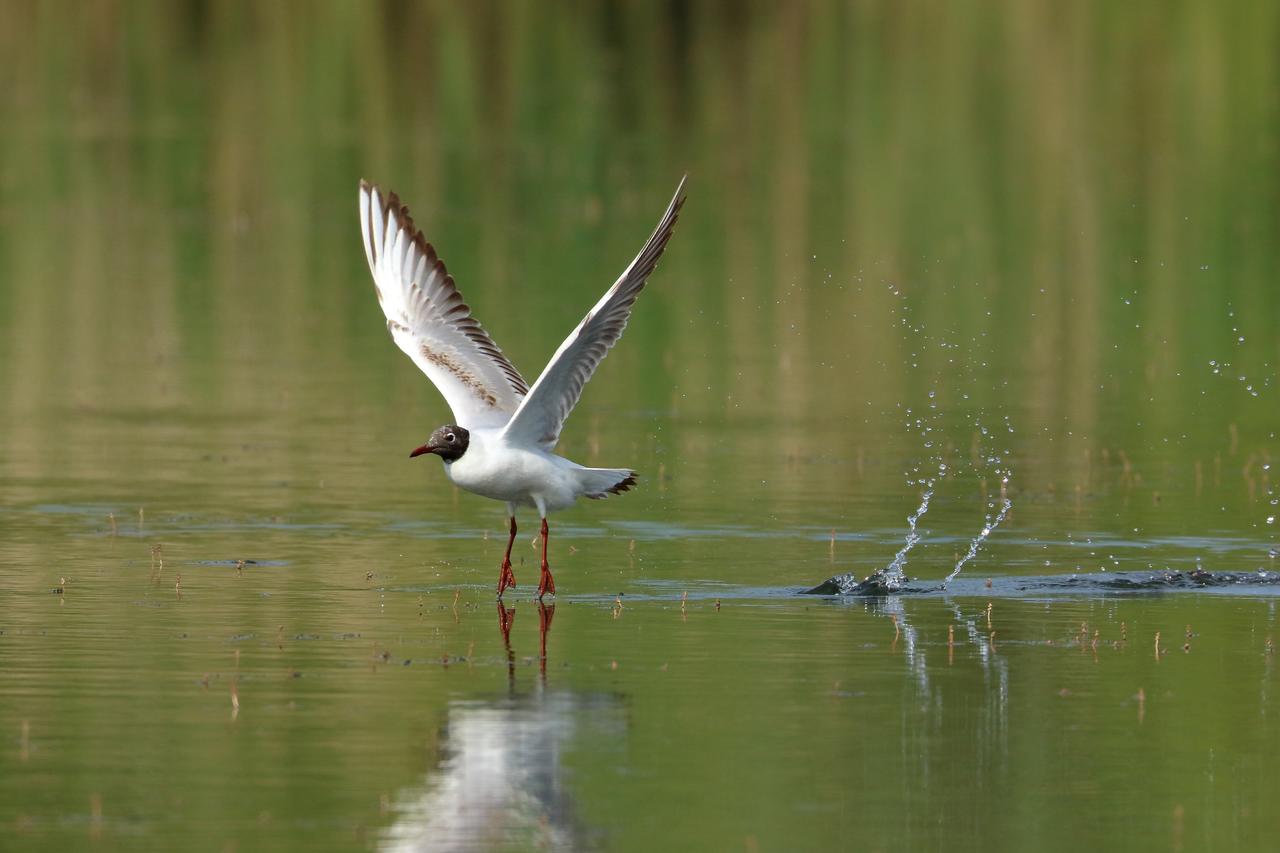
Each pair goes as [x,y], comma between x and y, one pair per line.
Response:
[501,442]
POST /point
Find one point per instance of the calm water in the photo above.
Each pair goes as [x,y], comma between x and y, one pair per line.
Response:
[923,252]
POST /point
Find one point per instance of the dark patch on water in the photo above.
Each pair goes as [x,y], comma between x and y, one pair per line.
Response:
[1142,581]
[877,584]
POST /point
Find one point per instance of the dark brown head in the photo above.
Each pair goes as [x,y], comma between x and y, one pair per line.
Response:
[449,443]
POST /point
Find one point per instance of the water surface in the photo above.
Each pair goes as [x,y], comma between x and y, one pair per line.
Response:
[1018,243]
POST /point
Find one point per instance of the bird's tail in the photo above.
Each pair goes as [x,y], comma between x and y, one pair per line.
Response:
[599,483]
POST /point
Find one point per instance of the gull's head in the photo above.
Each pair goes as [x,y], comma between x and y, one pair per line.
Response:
[449,443]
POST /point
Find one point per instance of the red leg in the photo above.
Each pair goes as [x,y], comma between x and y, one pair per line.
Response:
[547,584]
[508,577]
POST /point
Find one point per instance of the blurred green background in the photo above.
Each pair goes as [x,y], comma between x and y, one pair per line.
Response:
[1022,236]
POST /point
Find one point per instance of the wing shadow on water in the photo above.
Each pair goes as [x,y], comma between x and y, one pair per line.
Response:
[501,781]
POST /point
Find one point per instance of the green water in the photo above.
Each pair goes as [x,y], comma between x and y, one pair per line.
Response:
[1059,220]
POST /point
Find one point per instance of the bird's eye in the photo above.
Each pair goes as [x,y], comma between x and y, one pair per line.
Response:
[449,438]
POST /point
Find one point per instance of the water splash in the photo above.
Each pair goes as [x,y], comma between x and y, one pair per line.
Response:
[1254,387]
[989,525]
[1273,502]
[926,424]
[930,467]
[997,462]
[894,576]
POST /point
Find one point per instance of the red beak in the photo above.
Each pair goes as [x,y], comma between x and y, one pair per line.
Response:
[426,448]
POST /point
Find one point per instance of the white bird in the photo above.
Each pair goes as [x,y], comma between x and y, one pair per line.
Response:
[501,441]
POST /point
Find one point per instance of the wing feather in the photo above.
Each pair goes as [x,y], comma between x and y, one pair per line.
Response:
[429,320]
[542,414]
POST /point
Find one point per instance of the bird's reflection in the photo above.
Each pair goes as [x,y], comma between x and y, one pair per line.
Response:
[500,781]
[506,619]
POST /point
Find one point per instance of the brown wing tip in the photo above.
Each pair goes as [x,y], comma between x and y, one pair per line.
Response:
[460,312]
[391,203]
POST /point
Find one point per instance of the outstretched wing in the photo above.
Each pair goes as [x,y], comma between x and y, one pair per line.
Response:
[541,416]
[428,319]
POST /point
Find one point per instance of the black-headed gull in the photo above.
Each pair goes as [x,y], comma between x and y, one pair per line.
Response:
[500,445]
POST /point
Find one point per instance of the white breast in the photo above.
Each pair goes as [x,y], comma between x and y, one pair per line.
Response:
[492,468]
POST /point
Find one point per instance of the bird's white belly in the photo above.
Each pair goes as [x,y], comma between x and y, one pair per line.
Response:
[515,476]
